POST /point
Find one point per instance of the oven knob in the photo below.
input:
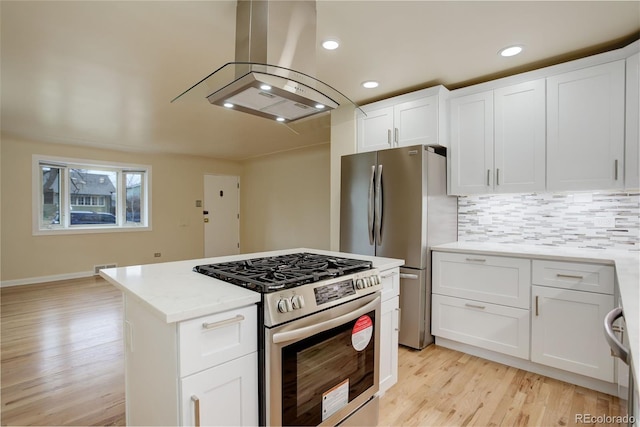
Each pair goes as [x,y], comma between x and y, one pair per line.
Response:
[284,305]
[297,302]
[376,279]
[360,284]
[367,282]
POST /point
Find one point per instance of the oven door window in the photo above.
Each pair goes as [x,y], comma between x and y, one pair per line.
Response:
[322,373]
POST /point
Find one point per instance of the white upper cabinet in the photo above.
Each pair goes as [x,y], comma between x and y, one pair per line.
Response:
[519,145]
[498,140]
[415,118]
[471,151]
[632,131]
[375,130]
[585,128]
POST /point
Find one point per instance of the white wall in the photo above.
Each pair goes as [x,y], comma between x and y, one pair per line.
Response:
[285,200]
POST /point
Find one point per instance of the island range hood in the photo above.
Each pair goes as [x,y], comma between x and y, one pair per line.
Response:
[272,75]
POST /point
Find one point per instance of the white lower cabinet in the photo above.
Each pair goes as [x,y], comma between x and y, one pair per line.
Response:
[493,327]
[389,344]
[566,331]
[225,395]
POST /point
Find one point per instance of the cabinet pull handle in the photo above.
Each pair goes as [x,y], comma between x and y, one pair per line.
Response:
[616,169]
[214,325]
[476,259]
[389,137]
[570,276]
[488,176]
[196,409]
[537,310]
[395,135]
[497,176]
[481,307]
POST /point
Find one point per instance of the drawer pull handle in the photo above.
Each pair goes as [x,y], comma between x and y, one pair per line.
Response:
[476,259]
[196,409]
[213,325]
[537,311]
[481,307]
[570,276]
[386,276]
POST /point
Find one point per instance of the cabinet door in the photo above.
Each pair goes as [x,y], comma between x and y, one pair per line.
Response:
[416,122]
[389,344]
[585,128]
[225,395]
[520,137]
[375,130]
[567,331]
[632,131]
[471,164]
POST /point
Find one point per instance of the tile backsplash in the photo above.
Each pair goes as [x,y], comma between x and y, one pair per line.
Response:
[604,220]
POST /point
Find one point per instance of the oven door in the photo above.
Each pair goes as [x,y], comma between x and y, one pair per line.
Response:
[323,367]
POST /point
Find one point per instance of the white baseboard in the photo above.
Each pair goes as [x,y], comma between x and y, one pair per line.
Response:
[44,279]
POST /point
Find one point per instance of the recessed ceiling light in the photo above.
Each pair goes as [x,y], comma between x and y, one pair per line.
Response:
[319,106]
[330,44]
[228,105]
[280,119]
[370,84]
[510,51]
[265,87]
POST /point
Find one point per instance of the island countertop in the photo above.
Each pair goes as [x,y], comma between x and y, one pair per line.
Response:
[174,292]
[627,266]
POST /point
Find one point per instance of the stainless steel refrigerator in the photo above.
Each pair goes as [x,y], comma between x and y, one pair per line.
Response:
[394,203]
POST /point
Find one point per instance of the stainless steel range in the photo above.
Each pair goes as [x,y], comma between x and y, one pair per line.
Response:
[320,346]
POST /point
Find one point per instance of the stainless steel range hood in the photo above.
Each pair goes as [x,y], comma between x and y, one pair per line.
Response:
[272,76]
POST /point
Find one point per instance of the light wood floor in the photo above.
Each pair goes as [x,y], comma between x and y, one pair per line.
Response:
[62,364]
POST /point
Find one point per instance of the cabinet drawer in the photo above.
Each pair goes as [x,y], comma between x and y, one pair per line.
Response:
[573,275]
[212,340]
[497,280]
[390,283]
[494,327]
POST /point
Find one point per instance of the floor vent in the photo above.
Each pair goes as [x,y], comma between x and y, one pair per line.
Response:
[97,268]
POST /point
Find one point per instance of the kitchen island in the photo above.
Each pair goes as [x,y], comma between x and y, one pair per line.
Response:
[167,356]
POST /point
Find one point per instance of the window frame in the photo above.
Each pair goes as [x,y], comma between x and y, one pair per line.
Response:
[65,164]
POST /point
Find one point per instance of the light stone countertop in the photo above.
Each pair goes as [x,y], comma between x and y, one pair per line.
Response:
[627,266]
[174,292]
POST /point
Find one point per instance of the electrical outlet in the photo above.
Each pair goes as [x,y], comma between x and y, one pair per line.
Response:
[157,254]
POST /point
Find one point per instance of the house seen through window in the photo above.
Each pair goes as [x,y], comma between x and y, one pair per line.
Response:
[78,196]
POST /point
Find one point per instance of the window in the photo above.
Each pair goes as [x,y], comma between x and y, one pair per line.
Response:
[76,196]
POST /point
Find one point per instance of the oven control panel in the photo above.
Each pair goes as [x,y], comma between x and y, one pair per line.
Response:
[290,304]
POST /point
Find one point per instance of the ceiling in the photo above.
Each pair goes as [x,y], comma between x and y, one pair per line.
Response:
[102,73]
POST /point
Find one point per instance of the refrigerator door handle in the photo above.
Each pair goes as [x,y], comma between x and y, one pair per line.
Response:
[378,207]
[371,207]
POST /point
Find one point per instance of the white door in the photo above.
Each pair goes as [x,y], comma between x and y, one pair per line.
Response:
[221,215]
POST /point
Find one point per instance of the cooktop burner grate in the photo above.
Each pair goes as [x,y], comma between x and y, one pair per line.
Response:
[270,274]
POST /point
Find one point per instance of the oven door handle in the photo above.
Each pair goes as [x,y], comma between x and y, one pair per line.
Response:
[311,330]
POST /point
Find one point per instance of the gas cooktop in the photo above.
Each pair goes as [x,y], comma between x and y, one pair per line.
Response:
[272,274]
